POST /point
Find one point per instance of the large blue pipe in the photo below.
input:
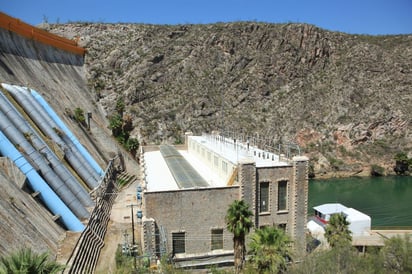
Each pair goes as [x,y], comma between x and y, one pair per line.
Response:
[50,199]
[40,161]
[47,125]
[67,131]
[58,177]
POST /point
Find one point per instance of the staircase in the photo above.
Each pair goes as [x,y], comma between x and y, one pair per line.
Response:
[124,179]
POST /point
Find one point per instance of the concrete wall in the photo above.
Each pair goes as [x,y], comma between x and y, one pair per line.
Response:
[193,211]
[218,164]
[24,222]
[59,76]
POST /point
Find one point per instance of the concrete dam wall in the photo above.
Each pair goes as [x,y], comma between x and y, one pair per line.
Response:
[34,215]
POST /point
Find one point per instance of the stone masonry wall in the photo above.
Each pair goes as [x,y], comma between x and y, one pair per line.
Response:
[247,181]
[300,166]
[273,175]
[193,211]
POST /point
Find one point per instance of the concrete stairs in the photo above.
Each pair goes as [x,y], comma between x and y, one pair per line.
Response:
[124,179]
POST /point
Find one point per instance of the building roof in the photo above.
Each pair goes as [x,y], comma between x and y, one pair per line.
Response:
[333,208]
[355,215]
[157,174]
[184,174]
[328,209]
[159,177]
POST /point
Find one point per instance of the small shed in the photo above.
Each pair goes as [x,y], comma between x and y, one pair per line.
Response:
[359,223]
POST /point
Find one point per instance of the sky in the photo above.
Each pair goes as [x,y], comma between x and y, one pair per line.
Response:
[374,17]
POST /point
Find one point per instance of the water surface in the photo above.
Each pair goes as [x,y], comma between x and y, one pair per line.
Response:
[387,200]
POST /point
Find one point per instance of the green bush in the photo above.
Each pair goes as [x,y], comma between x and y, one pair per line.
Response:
[115,124]
[403,164]
[79,116]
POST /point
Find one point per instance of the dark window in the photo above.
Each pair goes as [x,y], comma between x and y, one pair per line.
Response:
[217,239]
[178,240]
[264,197]
[282,195]
[282,226]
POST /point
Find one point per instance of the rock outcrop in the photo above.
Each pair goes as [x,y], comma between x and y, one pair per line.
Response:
[274,80]
[345,99]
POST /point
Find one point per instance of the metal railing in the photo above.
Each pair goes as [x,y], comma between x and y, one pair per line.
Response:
[86,252]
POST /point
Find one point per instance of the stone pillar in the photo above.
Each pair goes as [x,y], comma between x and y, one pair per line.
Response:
[300,201]
[187,134]
[148,235]
[247,182]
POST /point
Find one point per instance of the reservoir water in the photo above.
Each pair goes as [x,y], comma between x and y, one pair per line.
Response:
[387,200]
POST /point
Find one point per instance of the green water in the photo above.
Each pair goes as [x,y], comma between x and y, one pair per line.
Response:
[387,200]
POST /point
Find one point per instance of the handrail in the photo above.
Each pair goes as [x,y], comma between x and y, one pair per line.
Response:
[36,34]
[85,254]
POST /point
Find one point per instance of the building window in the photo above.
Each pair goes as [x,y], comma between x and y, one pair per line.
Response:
[178,242]
[264,197]
[282,195]
[216,159]
[282,226]
[217,238]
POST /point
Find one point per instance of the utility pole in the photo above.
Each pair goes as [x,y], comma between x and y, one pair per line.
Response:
[133,239]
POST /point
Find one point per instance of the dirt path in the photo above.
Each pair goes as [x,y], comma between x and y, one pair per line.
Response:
[120,222]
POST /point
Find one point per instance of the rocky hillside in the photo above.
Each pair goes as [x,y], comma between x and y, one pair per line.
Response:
[345,99]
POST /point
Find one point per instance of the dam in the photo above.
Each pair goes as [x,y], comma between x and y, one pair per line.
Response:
[58,175]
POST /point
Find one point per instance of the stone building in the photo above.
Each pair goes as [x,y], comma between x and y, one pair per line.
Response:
[186,191]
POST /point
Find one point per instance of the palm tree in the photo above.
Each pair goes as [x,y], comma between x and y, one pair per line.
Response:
[239,222]
[270,249]
[25,261]
[337,231]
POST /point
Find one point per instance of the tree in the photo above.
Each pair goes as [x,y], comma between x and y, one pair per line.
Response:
[270,249]
[239,222]
[115,124]
[397,254]
[337,231]
[25,261]
[132,145]
[343,259]
[402,163]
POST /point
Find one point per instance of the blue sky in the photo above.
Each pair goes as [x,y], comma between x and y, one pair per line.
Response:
[350,16]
